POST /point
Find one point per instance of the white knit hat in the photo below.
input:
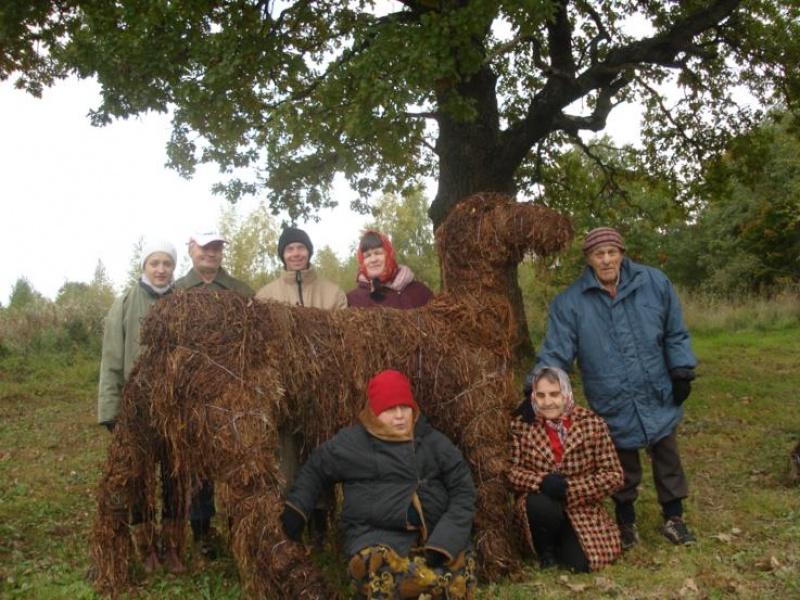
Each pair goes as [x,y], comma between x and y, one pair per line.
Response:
[155,245]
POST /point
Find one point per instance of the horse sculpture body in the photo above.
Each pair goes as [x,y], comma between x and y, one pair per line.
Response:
[220,375]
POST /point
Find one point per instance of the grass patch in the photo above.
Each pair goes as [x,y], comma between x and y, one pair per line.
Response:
[740,424]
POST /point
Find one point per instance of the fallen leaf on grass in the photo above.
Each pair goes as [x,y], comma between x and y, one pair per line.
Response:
[723,537]
[604,584]
[689,588]
[768,564]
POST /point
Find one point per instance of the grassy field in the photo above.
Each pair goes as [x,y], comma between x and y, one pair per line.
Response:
[742,420]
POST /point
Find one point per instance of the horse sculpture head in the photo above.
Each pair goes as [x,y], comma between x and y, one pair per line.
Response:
[488,234]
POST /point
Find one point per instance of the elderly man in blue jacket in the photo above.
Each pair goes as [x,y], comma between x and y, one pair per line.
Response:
[622,321]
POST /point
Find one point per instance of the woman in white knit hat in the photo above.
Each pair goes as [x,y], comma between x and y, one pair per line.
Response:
[121,348]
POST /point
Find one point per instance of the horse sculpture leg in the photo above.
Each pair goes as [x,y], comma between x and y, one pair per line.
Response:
[127,485]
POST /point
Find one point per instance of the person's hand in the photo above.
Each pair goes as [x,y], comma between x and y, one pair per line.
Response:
[293,523]
[554,485]
[435,559]
[681,384]
[110,425]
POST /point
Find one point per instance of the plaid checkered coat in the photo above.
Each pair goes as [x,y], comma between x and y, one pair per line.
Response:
[593,472]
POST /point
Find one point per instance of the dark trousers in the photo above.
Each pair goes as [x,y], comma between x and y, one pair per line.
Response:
[169,504]
[553,533]
[202,507]
[668,476]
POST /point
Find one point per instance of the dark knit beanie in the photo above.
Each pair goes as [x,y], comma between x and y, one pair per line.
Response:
[290,235]
[388,389]
[602,236]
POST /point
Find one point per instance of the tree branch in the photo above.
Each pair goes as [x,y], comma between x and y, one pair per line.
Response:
[544,112]
[559,34]
[571,124]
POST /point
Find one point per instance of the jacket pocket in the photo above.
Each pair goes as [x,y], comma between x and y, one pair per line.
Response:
[606,395]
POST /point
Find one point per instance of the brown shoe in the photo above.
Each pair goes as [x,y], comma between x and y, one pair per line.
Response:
[144,540]
[172,539]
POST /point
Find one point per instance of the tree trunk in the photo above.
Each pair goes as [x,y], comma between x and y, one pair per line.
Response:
[469,162]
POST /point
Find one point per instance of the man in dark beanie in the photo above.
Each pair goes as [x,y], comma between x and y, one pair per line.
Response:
[622,321]
[299,284]
[409,500]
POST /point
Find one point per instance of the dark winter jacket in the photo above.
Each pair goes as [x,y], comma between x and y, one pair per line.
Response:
[414,295]
[383,477]
[626,347]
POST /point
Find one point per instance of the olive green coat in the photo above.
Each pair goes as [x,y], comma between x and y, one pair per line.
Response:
[222,281]
[121,348]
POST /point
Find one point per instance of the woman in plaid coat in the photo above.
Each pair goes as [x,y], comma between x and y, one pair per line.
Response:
[563,466]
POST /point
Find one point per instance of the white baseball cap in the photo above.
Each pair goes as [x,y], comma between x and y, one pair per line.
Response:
[204,239]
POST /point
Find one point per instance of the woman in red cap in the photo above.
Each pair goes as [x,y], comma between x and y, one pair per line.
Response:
[409,499]
[381,281]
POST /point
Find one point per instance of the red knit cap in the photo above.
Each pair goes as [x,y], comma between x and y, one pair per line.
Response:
[388,389]
[602,236]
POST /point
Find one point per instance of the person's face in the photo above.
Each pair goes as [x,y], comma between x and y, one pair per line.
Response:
[606,262]
[398,417]
[374,261]
[295,256]
[548,399]
[159,268]
[208,258]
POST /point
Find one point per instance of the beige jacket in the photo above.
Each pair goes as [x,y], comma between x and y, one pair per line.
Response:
[317,291]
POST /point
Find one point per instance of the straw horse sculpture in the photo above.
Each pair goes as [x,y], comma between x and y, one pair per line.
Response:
[220,374]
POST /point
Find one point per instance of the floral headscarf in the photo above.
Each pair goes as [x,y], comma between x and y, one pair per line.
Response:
[566,392]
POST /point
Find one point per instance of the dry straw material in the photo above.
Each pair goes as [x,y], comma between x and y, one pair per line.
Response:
[220,375]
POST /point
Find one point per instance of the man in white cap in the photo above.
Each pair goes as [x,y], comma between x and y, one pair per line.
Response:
[206,251]
[622,321]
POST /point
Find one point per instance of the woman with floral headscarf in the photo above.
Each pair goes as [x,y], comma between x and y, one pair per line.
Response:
[381,281]
[563,465]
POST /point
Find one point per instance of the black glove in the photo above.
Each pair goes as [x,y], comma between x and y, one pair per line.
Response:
[293,523]
[435,559]
[109,425]
[554,485]
[681,384]
[525,411]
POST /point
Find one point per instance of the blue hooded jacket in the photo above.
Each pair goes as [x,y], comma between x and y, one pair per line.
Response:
[626,347]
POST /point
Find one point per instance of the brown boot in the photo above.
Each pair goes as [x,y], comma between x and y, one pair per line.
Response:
[172,537]
[145,542]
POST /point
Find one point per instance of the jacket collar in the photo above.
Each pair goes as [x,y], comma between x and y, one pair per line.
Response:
[152,292]
[542,443]
[629,279]
[306,276]
[383,432]
[222,279]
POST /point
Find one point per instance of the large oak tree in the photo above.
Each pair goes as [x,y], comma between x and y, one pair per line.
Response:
[480,94]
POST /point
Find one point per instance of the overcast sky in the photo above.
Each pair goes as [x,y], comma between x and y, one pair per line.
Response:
[73,194]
